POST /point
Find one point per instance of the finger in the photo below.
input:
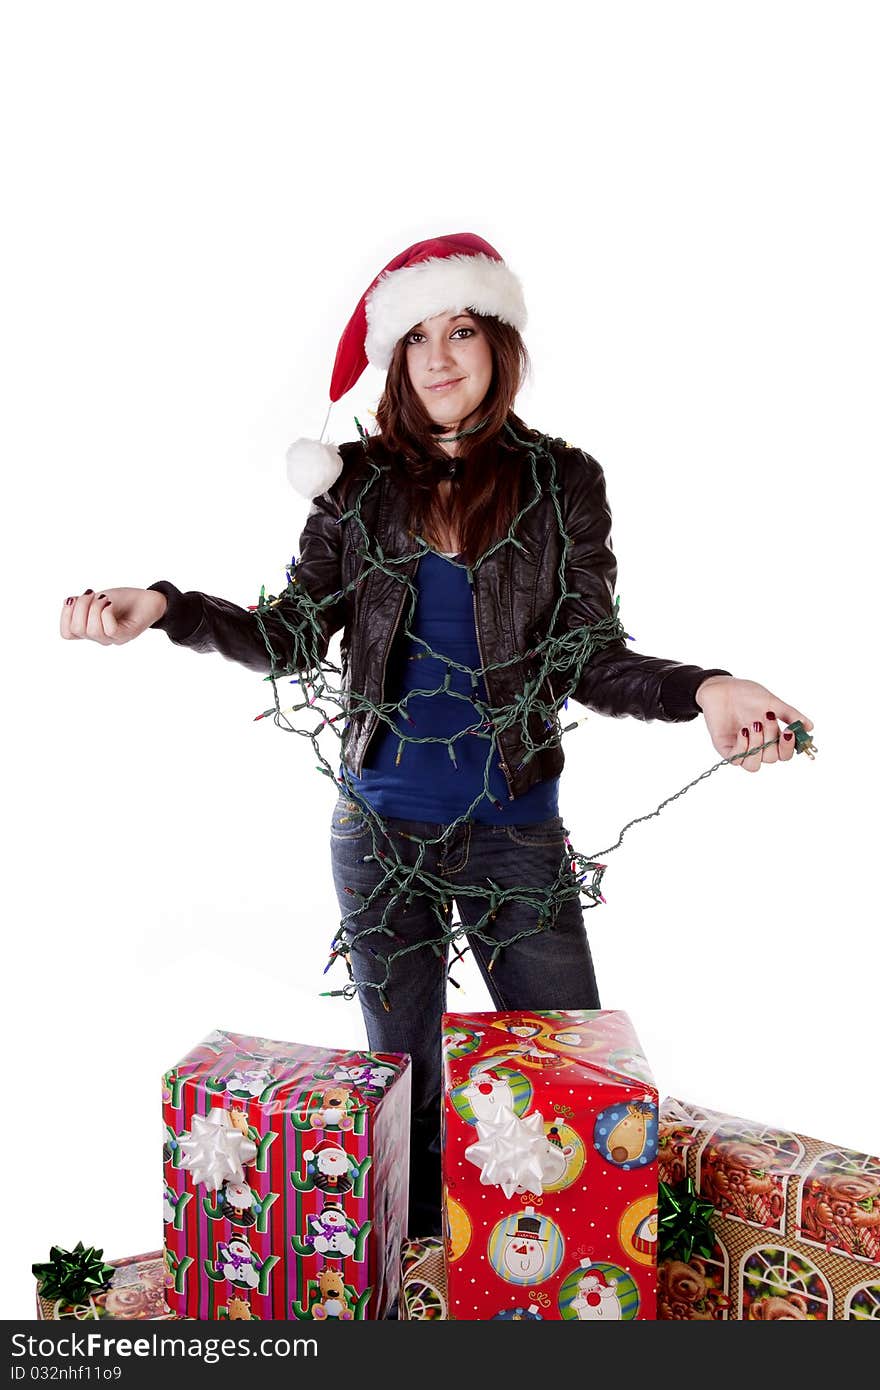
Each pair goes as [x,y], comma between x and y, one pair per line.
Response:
[80,614]
[752,761]
[94,627]
[66,610]
[786,746]
[770,736]
[108,620]
[756,738]
[789,714]
[742,747]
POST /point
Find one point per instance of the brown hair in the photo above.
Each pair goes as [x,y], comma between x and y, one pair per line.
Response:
[484,497]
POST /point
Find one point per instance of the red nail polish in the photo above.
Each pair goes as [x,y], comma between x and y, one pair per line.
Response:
[757,726]
[744,732]
[102,596]
[788,735]
[68,602]
[769,714]
[90,591]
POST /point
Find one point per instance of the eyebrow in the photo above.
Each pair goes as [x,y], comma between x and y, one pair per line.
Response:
[465,315]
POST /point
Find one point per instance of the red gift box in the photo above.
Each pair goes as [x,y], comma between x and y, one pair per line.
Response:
[549,1167]
[286,1176]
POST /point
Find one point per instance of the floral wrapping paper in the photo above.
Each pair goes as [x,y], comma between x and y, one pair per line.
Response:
[136,1291]
[312,1226]
[795,1229]
[568,1096]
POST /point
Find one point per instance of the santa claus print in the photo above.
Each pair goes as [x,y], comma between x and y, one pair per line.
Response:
[488,1094]
[596,1298]
[238,1203]
[329,1167]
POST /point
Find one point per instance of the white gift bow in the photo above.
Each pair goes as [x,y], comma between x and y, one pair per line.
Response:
[214,1150]
[511,1152]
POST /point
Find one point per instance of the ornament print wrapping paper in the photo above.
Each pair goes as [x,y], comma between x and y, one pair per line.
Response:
[549,1167]
[286,1179]
[795,1231]
[136,1290]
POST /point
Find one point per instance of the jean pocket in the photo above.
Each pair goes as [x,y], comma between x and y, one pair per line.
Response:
[541,834]
[349,821]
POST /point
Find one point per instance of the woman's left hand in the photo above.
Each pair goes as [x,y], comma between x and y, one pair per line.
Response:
[741,715]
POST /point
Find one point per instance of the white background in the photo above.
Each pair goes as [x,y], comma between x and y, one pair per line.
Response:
[197,194]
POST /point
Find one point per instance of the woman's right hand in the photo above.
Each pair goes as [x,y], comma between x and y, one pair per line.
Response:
[113,616]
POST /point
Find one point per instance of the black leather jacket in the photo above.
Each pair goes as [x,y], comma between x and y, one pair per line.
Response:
[515,590]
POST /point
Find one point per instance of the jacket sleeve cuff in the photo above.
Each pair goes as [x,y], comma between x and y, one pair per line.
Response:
[678,691]
[183,614]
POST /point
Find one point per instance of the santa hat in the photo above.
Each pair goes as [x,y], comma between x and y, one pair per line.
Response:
[590,1271]
[322,1147]
[459,271]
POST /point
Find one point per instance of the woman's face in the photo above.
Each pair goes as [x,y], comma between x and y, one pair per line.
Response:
[449,361]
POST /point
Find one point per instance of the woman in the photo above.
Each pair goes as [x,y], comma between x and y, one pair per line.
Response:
[467,560]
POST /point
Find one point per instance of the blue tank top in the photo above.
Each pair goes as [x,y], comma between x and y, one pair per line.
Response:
[425,785]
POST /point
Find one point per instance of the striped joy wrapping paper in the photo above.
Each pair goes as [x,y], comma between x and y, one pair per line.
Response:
[286,1179]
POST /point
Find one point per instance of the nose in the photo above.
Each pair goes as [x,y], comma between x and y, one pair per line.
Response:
[439,354]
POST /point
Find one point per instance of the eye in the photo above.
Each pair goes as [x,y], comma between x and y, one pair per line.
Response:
[414,336]
[469,332]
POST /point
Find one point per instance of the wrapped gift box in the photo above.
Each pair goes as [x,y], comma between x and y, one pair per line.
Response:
[549,1167]
[136,1290]
[795,1227]
[286,1178]
[423,1280]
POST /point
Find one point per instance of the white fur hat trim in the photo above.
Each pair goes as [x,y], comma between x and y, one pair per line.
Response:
[438,285]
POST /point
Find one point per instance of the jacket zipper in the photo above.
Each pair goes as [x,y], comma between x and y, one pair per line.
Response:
[388,647]
[502,765]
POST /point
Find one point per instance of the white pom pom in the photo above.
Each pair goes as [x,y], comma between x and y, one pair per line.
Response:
[312,467]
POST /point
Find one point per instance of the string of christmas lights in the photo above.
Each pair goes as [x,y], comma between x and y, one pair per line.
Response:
[561,655]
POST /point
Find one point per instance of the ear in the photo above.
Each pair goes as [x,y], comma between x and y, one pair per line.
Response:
[312,467]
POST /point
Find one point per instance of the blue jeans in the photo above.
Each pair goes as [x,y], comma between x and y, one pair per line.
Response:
[552,969]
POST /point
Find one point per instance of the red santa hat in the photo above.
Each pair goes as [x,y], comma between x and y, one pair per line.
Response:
[458,271]
[324,1146]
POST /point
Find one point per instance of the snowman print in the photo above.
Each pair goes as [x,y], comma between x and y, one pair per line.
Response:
[524,1254]
[367,1076]
[596,1298]
[251,1082]
[236,1260]
[555,1158]
[529,1050]
[329,1232]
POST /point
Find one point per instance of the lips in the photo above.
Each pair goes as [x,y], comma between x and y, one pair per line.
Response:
[446,385]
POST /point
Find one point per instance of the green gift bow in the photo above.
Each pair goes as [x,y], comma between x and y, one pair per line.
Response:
[683,1223]
[73,1274]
